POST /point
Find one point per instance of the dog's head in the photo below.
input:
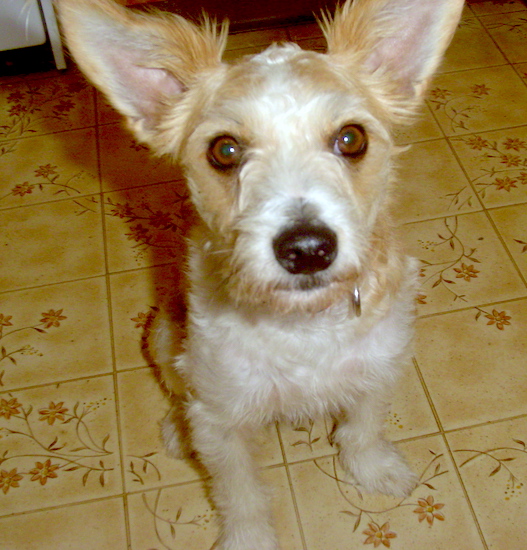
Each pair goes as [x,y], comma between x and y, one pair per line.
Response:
[287,153]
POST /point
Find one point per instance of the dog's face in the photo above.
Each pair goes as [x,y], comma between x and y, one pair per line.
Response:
[289,164]
[288,153]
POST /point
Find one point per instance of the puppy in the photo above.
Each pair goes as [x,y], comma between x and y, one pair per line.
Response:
[300,299]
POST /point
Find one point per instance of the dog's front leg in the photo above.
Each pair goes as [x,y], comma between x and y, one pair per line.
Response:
[374,462]
[239,497]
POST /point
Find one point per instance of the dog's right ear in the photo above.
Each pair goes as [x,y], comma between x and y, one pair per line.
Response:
[141,62]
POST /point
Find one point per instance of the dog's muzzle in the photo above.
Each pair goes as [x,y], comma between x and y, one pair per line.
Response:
[305,248]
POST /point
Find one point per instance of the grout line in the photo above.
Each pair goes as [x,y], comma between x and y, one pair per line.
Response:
[450,453]
[115,374]
[468,308]
[291,489]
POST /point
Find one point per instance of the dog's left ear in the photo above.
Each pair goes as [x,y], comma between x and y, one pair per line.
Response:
[397,43]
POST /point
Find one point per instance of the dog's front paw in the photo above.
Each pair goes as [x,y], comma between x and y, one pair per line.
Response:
[380,468]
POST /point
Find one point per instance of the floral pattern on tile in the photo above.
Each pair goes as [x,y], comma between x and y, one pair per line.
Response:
[510,32]
[472,362]
[471,101]
[59,168]
[43,106]
[39,326]
[492,461]
[147,226]
[497,167]
[58,445]
[461,262]
[336,512]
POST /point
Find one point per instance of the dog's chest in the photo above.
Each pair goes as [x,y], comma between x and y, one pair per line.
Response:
[279,369]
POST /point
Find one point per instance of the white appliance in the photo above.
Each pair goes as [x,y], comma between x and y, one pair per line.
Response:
[25,23]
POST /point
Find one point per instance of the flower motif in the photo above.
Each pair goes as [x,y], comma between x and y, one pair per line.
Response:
[429,510]
[522,178]
[138,233]
[511,160]
[43,472]
[162,220]
[466,272]
[480,90]
[45,171]
[16,96]
[143,320]
[53,412]
[477,142]
[499,317]
[52,318]
[5,320]
[9,479]
[379,535]
[63,107]
[421,299]
[9,408]
[514,143]
[439,93]
[505,183]
[22,189]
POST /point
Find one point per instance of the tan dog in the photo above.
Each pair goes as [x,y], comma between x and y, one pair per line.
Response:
[300,300]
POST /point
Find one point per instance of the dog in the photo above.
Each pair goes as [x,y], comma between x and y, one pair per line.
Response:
[300,299]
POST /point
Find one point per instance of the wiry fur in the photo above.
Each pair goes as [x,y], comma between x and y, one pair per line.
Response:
[260,342]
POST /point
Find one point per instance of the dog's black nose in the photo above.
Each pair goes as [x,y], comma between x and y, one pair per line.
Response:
[305,248]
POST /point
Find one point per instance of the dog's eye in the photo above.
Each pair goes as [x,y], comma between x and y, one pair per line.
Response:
[224,153]
[351,141]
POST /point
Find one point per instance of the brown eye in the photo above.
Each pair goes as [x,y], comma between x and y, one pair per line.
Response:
[224,153]
[351,141]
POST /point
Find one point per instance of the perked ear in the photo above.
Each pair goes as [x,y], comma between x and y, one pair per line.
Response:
[139,61]
[399,43]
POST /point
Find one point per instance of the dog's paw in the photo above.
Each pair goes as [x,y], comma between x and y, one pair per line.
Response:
[381,468]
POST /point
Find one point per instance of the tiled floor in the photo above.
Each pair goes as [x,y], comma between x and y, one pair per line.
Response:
[90,235]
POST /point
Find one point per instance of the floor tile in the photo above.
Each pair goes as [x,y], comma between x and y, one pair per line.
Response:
[429,183]
[336,515]
[423,128]
[44,106]
[463,263]
[135,297]
[54,333]
[512,225]
[510,32]
[473,363]
[147,226]
[472,101]
[182,517]
[143,408]
[92,525]
[61,241]
[496,164]
[471,47]
[492,461]
[125,163]
[58,445]
[48,168]
[486,7]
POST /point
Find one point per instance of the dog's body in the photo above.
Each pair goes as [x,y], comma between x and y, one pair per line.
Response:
[300,300]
